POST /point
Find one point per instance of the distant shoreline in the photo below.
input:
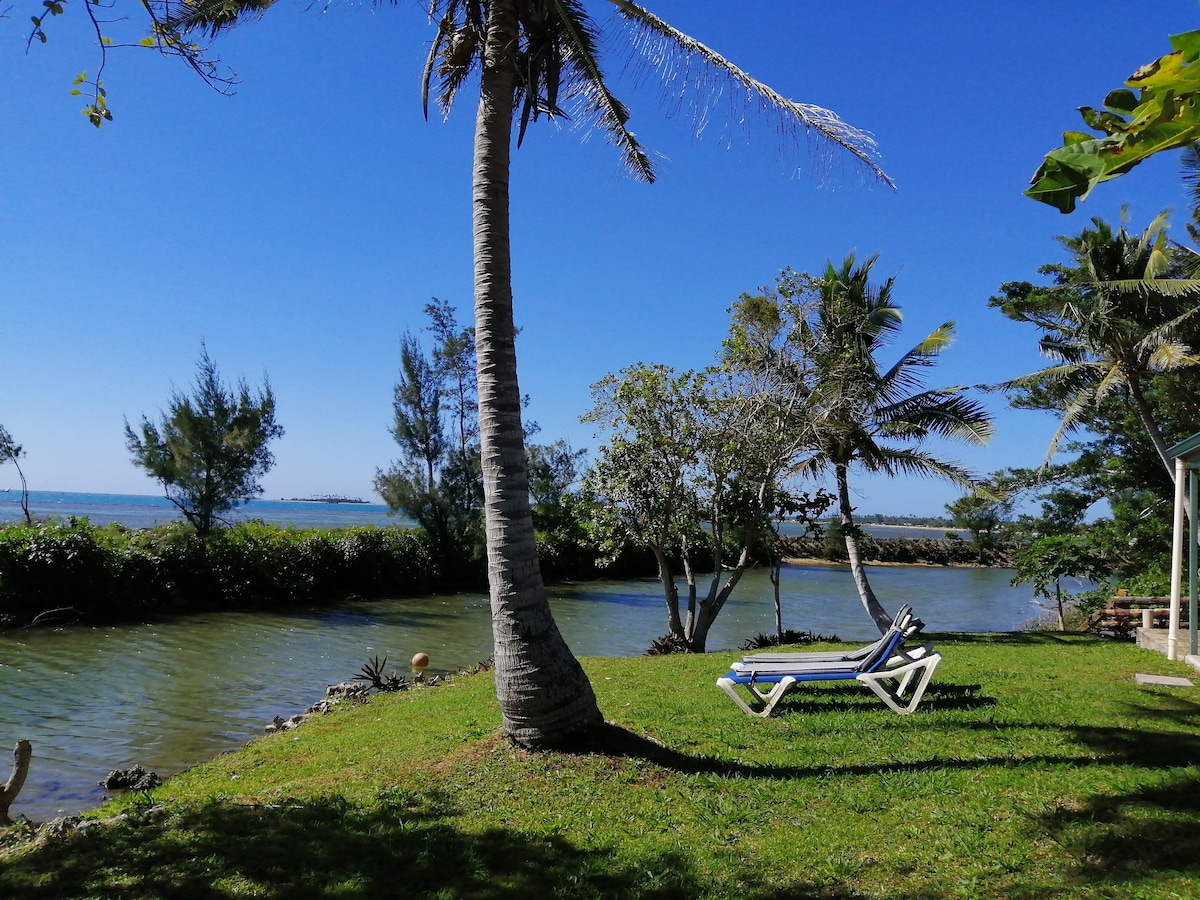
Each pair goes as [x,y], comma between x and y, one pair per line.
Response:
[814,561]
[946,527]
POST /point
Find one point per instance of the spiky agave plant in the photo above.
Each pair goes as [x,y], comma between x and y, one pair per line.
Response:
[373,673]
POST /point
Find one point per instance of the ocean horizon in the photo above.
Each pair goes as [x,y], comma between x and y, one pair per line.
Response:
[148,510]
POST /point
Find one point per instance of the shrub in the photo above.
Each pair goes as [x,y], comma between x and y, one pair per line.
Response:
[668,644]
[789,636]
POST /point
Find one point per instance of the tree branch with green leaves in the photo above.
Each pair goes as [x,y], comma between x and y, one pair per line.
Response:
[1158,109]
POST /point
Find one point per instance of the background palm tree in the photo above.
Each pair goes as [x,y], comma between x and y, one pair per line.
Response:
[877,419]
[538,58]
[1111,322]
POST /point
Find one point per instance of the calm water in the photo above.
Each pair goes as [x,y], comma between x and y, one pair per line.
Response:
[172,693]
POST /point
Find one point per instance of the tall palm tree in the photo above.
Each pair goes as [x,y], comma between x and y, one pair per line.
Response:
[863,415]
[538,58]
[1112,321]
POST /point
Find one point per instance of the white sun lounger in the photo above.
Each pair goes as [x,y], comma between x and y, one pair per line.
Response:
[757,690]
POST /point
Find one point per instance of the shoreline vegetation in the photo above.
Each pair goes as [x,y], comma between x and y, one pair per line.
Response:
[71,571]
[984,792]
[66,572]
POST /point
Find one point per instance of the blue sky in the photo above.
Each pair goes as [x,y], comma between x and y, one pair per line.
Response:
[301,225]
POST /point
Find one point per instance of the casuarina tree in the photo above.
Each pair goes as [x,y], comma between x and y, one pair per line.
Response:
[210,447]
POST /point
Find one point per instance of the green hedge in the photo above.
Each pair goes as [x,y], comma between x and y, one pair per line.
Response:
[114,573]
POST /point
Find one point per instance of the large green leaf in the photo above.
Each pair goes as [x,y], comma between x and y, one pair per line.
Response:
[1163,115]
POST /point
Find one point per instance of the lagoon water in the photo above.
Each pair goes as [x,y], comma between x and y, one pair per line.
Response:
[169,693]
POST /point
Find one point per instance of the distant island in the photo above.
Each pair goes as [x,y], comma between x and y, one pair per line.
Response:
[324,498]
[898,521]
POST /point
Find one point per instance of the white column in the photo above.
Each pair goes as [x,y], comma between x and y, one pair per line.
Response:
[1176,557]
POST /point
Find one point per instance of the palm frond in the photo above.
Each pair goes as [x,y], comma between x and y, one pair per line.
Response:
[1151,287]
[1150,249]
[909,461]
[445,29]
[945,412]
[698,76]
[937,341]
[595,103]
[1170,356]
[1190,161]
[1067,350]
[903,377]
[1071,421]
[209,17]
[457,49]
[1069,378]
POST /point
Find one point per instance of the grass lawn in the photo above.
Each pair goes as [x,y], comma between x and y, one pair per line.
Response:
[1035,768]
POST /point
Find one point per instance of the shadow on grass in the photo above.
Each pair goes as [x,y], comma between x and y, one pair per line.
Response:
[1110,746]
[1138,836]
[1132,837]
[402,846]
[1169,707]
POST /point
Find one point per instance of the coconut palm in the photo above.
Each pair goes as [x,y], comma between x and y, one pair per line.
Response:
[538,58]
[873,418]
[1111,323]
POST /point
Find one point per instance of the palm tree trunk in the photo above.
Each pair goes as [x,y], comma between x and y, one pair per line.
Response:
[544,695]
[1152,429]
[870,602]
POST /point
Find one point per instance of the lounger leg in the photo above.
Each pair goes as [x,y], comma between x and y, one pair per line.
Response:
[894,699]
[768,700]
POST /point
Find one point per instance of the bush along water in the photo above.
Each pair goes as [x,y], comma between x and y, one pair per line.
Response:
[61,572]
[70,571]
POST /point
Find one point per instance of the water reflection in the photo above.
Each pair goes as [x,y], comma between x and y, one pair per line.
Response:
[174,692]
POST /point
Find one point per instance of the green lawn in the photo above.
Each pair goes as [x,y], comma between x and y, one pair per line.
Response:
[1035,768]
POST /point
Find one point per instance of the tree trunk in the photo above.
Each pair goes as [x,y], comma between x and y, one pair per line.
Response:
[8,792]
[24,492]
[544,695]
[670,592]
[689,575]
[709,608]
[776,567]
[870,603]
[1152,429]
